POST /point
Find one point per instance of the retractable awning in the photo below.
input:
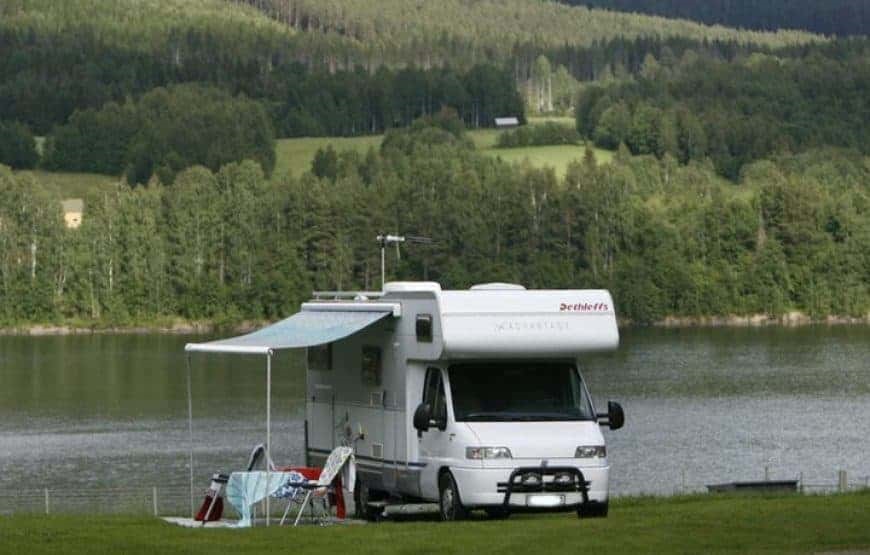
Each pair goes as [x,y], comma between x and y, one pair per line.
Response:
[304,329]
[318,323]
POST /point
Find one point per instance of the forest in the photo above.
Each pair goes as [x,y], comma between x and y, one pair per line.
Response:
[80,54]
[739,183]
[162,133]
[226,245]
[734,113]
[828,17]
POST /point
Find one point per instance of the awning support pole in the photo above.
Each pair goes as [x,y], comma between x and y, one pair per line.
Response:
[268,428]
[190,435]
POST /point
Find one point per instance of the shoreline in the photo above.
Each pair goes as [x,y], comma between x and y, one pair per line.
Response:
[180,327]
[185,327]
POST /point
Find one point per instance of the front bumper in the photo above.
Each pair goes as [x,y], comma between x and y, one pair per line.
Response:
[489,487]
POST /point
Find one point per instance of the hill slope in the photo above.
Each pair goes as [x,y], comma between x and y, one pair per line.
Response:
[400,31]
[830,17]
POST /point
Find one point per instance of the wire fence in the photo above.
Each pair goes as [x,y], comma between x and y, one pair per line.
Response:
[133,501]
[174,500]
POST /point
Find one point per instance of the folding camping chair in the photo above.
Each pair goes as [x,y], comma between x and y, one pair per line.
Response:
[341,459]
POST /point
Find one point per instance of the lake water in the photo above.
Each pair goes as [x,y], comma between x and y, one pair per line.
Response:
[100,420]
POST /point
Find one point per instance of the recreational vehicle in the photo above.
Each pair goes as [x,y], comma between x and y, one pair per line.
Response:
[472,399]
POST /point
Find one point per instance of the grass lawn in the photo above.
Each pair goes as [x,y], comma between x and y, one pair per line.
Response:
[698,524]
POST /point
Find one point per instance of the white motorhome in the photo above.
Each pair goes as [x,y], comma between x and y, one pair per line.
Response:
[472,399]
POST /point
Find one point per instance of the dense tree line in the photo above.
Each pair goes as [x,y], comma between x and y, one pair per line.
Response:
[162,133]
[17,146]
[169,129]
[829,17]
[733,113]
[230,245]
[548,133]
[357,102]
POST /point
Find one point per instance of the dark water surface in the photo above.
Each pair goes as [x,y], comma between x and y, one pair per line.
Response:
[108,413]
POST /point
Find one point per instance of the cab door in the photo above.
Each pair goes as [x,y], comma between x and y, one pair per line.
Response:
[434,443]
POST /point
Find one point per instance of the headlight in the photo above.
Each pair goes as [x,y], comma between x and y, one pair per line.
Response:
[590,452]
[488,453]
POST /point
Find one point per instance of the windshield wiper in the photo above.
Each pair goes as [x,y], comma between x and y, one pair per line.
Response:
[546,416]
[483,416]
[520,417]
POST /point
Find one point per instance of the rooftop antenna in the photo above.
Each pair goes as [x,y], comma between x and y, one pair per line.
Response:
[385,240]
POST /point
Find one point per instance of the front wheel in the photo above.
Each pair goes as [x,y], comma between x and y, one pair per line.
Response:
[593,509]
[449,500]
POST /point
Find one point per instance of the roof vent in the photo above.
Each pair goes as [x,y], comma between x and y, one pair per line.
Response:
[410,286]
[498,287]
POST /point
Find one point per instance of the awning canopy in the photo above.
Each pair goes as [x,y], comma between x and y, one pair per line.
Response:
[304,329]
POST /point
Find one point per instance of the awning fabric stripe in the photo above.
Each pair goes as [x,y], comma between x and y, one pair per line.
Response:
[303,329]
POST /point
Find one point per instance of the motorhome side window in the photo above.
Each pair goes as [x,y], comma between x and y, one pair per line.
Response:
[320,357]
[423,328]
[433,394]
[371,365]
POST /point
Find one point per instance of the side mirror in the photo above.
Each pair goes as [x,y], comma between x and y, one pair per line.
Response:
[422,417]
[615,417]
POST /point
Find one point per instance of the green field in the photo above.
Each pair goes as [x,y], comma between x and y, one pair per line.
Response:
[697,524]
[294,156]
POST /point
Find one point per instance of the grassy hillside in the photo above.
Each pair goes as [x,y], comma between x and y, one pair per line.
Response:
[293,157]
[138,24]
[700,524]
[493,25]
[838,17]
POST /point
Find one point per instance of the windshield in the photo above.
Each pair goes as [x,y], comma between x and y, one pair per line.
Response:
[529,391]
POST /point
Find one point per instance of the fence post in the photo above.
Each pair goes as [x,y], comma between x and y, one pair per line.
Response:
[684,481]
[766,473]
[842,481]
[47,506]
[154,498]
[801,482]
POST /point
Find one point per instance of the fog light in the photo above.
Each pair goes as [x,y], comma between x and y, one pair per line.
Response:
[564,479]
[531,479]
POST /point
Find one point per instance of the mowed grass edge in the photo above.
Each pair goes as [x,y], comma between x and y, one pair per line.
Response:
[697,524]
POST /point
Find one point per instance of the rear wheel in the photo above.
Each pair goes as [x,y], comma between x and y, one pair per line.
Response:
[361,497]
[449,500]
[593,509]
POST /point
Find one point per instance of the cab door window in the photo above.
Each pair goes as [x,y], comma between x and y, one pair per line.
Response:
[433,394]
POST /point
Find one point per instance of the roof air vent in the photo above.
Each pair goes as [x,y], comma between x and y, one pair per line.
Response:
[497,287]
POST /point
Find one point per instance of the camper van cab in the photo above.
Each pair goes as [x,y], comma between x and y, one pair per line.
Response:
[470,399]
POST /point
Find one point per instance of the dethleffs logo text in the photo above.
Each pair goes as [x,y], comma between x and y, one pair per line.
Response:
[583,307]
